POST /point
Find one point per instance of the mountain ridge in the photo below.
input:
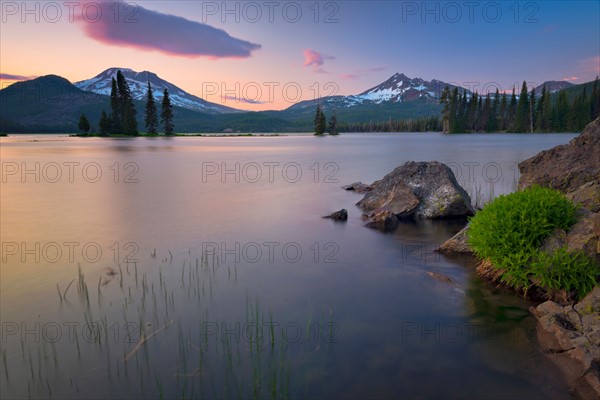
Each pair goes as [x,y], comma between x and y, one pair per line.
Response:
[138,83]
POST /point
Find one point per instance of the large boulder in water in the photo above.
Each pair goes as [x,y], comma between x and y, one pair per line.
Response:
[419,190]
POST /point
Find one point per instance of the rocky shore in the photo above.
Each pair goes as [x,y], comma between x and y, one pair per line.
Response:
[568,333]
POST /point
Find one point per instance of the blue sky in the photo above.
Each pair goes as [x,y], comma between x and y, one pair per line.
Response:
[352,44]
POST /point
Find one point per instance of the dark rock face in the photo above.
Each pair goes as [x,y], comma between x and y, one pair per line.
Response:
[384,220]
[570,336]
[419,190]
[587,196]
[341,215]
[568,167]
[358,187]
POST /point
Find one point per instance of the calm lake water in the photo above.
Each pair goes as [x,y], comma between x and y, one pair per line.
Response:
[200,268]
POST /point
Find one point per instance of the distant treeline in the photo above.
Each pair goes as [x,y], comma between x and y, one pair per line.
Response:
[423,124]
[525,113]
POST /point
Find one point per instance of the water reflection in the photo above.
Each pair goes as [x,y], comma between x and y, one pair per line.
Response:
[373,323]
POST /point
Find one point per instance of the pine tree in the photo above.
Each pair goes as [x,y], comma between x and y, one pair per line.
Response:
[105,124]
[127,108]
[333,129]
[540,117]
[453,113]
[511,112]
[494,112]
[595,101]
[522,117]
[166,115]
[320,121]
[445,100]
[503,113]
[487,116]
[548,121]
[115,109]
[532,111]
[151,117]
[561,112]
[84,124]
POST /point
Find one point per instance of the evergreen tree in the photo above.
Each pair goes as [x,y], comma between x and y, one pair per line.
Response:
[522,117]
[127,108]
[84,124]
[502,113]
[561,112]
[166,115]
[105,124]
[115,109]
[453,117]
[548,115]
[463,111]
[151,117]
[595,101]
[332,127]
[320,121]
[493,126]
[511,112]
[540,117]
[532,111]
[445,100]
[488,116]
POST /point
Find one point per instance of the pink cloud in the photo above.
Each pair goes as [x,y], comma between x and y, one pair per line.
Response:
[140,28]
[315,58]
[12,77]
[570,78]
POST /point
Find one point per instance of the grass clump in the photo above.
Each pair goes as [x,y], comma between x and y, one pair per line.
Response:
[509,231]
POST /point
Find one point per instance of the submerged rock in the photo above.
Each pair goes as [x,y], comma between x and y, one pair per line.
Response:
[341,215]
[383,220]
[440,277]
[419,190]
[570,337]
[358,187]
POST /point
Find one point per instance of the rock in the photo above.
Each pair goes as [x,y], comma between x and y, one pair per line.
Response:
[457,244]
[570,336]
[440,277]
[419,190]
[585,236]
[587,196]
[358,187]
[341,215]
[567,167]
[385,221]
[590,304]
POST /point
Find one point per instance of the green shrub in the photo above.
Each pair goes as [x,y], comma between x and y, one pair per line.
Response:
[573,272]
[510,229]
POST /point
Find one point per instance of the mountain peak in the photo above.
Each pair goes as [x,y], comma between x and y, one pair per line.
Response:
[138,83]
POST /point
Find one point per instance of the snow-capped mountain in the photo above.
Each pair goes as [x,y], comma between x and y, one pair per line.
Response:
[138,83]
[552,87]
[401,88]
[397,89]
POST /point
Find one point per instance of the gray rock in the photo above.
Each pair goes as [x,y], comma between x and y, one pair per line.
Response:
[341,215]
[419,190]
[457,244]
[570,336]
[567,167]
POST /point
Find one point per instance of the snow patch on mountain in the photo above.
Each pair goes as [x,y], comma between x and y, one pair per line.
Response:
[138,84]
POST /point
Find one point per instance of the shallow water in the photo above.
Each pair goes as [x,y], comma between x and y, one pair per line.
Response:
[186,245]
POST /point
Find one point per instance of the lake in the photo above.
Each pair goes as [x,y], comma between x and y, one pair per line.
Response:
[200,267]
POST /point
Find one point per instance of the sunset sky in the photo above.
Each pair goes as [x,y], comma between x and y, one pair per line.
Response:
[269,54]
